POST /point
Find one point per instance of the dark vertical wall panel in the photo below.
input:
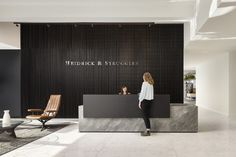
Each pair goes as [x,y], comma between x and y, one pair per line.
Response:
[10,82]
[158,49]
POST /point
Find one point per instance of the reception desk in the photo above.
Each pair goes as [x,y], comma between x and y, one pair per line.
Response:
[117,113]
[123,106]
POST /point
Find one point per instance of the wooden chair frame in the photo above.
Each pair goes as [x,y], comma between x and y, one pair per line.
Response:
[49,113]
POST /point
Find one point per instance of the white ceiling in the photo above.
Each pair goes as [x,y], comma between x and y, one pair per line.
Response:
[217,35]
[95,10]
[227,2]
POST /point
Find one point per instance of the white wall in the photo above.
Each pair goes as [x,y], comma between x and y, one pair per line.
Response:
[232,83]
[9,36]
[212,84]
[186,33]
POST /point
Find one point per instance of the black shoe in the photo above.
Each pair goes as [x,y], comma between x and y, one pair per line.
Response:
[145,133]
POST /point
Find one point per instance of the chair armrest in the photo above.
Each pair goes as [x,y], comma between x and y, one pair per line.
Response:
[50,111]
[35,110]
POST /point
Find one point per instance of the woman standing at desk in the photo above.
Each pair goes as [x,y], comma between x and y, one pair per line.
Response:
[145,100]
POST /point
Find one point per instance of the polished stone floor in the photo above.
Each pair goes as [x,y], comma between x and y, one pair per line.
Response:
[216,138]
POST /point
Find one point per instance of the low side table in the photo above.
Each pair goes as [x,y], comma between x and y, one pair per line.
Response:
[10,130]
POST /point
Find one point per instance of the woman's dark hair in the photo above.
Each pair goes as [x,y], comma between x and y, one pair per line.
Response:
[121,89]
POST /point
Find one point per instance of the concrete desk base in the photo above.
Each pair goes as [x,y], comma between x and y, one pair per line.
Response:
[183,118]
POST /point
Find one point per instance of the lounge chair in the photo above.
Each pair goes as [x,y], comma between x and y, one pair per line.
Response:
[50,111]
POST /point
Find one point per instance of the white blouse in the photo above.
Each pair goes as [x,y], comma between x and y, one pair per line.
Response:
[147,92]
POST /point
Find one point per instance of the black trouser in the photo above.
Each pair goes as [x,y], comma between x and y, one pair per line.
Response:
[146,106]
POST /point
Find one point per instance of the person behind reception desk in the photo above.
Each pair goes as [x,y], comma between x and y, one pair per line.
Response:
[124,91]
[145,100]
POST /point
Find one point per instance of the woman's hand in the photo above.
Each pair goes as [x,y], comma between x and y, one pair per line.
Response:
[139,105]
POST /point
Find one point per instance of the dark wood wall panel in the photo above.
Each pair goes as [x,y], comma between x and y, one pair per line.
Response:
[44,50]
